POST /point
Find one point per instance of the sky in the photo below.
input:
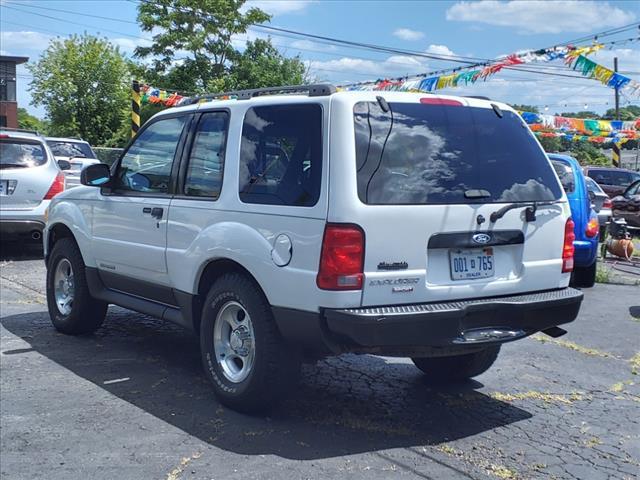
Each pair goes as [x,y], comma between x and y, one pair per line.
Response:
[484,29]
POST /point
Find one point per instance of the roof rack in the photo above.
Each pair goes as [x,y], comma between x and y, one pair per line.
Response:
[314,90]
[21,130]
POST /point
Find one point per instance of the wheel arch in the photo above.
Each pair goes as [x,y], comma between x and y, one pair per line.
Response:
[56,232]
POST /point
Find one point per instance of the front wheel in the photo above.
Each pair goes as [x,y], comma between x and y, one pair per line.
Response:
[457,367]
[584,277]
[243,353]
[71,307]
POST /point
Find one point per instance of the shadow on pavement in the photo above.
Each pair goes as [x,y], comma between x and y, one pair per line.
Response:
[343,406]
[26,250]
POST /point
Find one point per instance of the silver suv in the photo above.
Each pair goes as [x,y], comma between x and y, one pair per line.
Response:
[29,178]
[296,222]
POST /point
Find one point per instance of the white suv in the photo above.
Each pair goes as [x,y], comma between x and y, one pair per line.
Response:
[300,222]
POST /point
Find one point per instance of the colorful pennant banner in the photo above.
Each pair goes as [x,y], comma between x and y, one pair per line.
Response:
[555,125]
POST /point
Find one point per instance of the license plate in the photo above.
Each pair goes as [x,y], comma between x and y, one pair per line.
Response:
[3,187]
[471,264]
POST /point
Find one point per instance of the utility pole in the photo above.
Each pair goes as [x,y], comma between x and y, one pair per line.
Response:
[617,93]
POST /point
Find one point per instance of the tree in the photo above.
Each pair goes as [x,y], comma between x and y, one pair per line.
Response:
[588,154]
[201,29]
[83,83]
[628,113]
[261,65]
[30,122]
[582,114]
[525,108]
[550,144]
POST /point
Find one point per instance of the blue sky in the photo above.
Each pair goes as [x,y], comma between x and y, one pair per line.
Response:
[483,29]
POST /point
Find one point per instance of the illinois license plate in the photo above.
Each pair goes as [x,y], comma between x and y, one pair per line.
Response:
[471,264]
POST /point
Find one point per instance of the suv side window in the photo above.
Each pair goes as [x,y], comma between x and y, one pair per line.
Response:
[281,155]
[206,161]
[146,167]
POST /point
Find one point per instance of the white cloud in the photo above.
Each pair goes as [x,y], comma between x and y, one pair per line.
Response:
[539,16]
[439,50]
[339,69]
[309,45]
[279,7]
[407,34]
[24,40]
[128,45]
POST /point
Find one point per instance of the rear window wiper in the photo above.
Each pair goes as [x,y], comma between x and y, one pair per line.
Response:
[530,212]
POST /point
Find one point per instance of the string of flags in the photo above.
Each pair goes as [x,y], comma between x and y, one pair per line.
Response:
[580,126]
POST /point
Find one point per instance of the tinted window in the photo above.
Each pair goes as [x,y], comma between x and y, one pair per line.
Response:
[433,154]
[633,189]
[592,185]
[281,155]
[70,149]
[613,177]
[21,154]
[146,167]
[565,174]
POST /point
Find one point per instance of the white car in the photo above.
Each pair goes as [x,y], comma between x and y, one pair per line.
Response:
[77,152]
[299,222]
[29,178]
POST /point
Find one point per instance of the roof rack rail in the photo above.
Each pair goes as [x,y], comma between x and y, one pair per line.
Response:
[21,130]
[314,90]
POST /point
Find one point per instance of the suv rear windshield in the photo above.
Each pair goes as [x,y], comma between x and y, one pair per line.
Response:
[70,149]
[565,174]
[440,154]
[16,153]
[613,177]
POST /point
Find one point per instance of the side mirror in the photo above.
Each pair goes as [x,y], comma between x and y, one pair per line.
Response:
[95,175]
[64,165]
[592,195]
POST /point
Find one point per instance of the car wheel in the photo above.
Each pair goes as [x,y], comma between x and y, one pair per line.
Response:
[243,353]
[584,277]
[72,309]
[458,367]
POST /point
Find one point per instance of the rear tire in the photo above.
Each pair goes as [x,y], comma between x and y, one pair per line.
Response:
[245,357]
[584,277]
[458,367]
[72,309]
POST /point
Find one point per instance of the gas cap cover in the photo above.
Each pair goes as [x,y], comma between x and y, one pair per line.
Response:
[282,250]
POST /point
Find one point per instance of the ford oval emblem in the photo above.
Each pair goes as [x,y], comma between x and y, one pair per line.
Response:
[481,238]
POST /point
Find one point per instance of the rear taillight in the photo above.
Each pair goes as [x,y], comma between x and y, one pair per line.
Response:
[568,248]
[56,187]
[342,258]
[592,228]
[607,203]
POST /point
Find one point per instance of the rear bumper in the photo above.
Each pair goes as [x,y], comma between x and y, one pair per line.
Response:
[458,323]
[25,229]
[586,252]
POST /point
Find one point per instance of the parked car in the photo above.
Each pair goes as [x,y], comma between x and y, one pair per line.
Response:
[585,219]
[627,205]
[601,203]
[77,152]
[297,222]
[29,178]
[612,180]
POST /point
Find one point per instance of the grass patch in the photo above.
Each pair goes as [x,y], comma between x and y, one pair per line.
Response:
[602,275]
[572,346]
[635,364]
[542,396]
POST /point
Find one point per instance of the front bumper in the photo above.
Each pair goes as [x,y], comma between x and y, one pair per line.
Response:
[457,323]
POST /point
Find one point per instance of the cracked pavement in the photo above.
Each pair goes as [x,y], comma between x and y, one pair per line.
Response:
[132,402]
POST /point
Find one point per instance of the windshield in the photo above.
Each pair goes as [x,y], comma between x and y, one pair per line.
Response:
[565,174]
[592,185]
[70,149]
[613,177]
[441,154]
[16,153]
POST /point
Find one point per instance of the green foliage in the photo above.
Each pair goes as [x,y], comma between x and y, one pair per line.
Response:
[83,83]
[30,122]
[587,154]
[551,144]
[261,65]
[628,113]
[581,114]
[202,29]
[525,108]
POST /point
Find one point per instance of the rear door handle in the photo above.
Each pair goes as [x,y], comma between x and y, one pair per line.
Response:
[146,210]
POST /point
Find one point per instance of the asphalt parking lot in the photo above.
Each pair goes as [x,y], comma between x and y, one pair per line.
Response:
[132,402]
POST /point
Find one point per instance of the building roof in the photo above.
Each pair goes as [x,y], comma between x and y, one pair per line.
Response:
[16,60]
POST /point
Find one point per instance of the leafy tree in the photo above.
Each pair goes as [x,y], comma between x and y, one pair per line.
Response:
[30,122]
[551,144]
[587,154]
[200,29]
[525,108]
[628,113]
[83,83]
[261,65]
[581,114]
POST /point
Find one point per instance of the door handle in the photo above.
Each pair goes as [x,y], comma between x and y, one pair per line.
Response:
[155,212]
[146,210]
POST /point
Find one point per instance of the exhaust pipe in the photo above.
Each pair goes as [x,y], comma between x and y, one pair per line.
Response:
[36,235]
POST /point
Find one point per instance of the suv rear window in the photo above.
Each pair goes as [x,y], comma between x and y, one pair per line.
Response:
[281,155]
[565,174]
[15,153]
[70,149]
[613,177]
[442,154]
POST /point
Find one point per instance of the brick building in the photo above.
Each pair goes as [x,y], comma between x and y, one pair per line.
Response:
[8,100]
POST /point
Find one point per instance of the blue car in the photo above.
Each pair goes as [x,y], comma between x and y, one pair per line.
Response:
[584,217]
